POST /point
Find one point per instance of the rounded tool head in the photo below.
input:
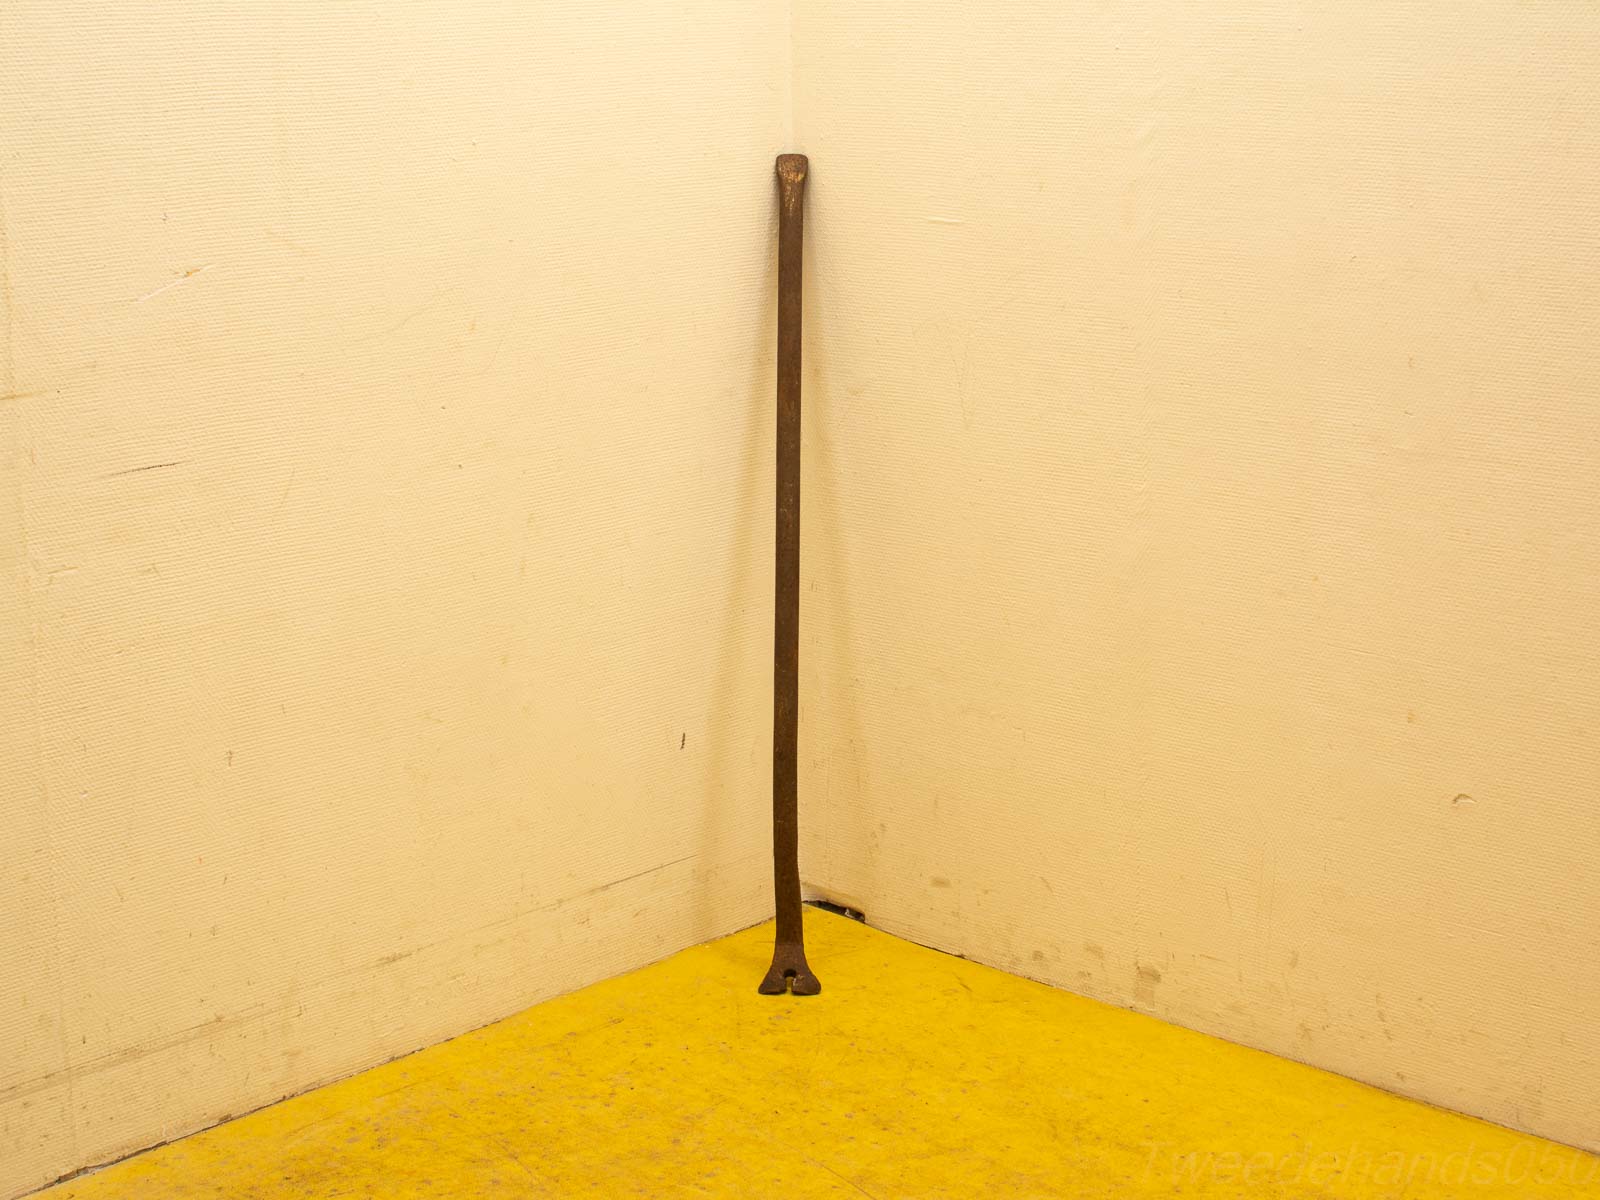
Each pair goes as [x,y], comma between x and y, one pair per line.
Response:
[792,167]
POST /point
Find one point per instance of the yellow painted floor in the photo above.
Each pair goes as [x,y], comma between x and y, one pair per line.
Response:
[914,1074]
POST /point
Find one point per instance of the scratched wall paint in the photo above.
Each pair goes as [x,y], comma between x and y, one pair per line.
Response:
[1201,518]
[384,618]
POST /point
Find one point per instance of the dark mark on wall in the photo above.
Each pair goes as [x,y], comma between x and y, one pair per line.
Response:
[151,467]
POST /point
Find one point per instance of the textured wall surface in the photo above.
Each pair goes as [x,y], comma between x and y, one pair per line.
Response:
[1199,524]
[1204,602]
[385,605]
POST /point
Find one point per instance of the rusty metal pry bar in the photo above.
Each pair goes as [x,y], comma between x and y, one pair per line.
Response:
[789,971]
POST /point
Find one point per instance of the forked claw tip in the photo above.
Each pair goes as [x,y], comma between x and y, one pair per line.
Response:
[789,973]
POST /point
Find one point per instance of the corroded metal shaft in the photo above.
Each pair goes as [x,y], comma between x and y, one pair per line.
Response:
[789,971]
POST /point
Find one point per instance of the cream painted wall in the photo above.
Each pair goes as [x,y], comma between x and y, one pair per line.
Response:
[1204,604]
[384,616]
[1199,524]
